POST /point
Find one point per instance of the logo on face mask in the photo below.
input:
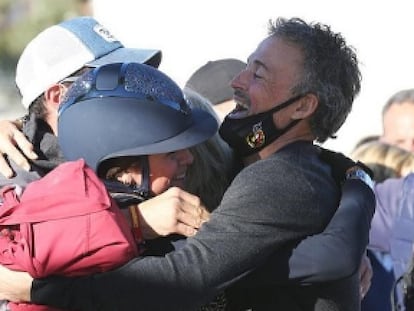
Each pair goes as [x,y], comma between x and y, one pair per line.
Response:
[257,137]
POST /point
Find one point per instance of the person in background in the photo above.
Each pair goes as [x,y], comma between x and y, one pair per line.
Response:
[397,130]
[390,237]
[366,139]
[287,97]
[398,120]
[212,81]
[385,160]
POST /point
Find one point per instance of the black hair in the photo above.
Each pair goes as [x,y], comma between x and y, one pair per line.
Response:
[330,71]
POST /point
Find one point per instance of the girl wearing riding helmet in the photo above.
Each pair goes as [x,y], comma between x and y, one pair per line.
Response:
[132,126]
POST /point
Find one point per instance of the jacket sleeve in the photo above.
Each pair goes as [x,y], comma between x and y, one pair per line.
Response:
[311,260]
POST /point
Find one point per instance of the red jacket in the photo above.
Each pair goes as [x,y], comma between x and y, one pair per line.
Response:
[63,224]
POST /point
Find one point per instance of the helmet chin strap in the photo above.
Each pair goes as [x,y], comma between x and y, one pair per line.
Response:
[144,189]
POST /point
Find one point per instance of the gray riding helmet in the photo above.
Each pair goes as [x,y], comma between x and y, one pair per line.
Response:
[128,109]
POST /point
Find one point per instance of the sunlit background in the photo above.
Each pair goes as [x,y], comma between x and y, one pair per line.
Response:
[190,33]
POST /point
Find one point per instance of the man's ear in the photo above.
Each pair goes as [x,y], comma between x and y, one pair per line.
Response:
[54,95]
[306,106]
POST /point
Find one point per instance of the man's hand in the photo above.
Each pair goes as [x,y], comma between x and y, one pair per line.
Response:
[174,211]
[15,286]
[365,276]
[11,138]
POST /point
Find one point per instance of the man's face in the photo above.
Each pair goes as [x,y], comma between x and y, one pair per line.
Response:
[398,126]
[272,71]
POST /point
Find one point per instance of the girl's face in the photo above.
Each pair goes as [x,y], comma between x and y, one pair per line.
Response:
[169,169]
[166,170]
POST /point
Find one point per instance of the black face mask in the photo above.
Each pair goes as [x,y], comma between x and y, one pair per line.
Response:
[251,134]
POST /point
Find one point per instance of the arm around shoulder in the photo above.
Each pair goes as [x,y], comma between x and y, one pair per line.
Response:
[311,260]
